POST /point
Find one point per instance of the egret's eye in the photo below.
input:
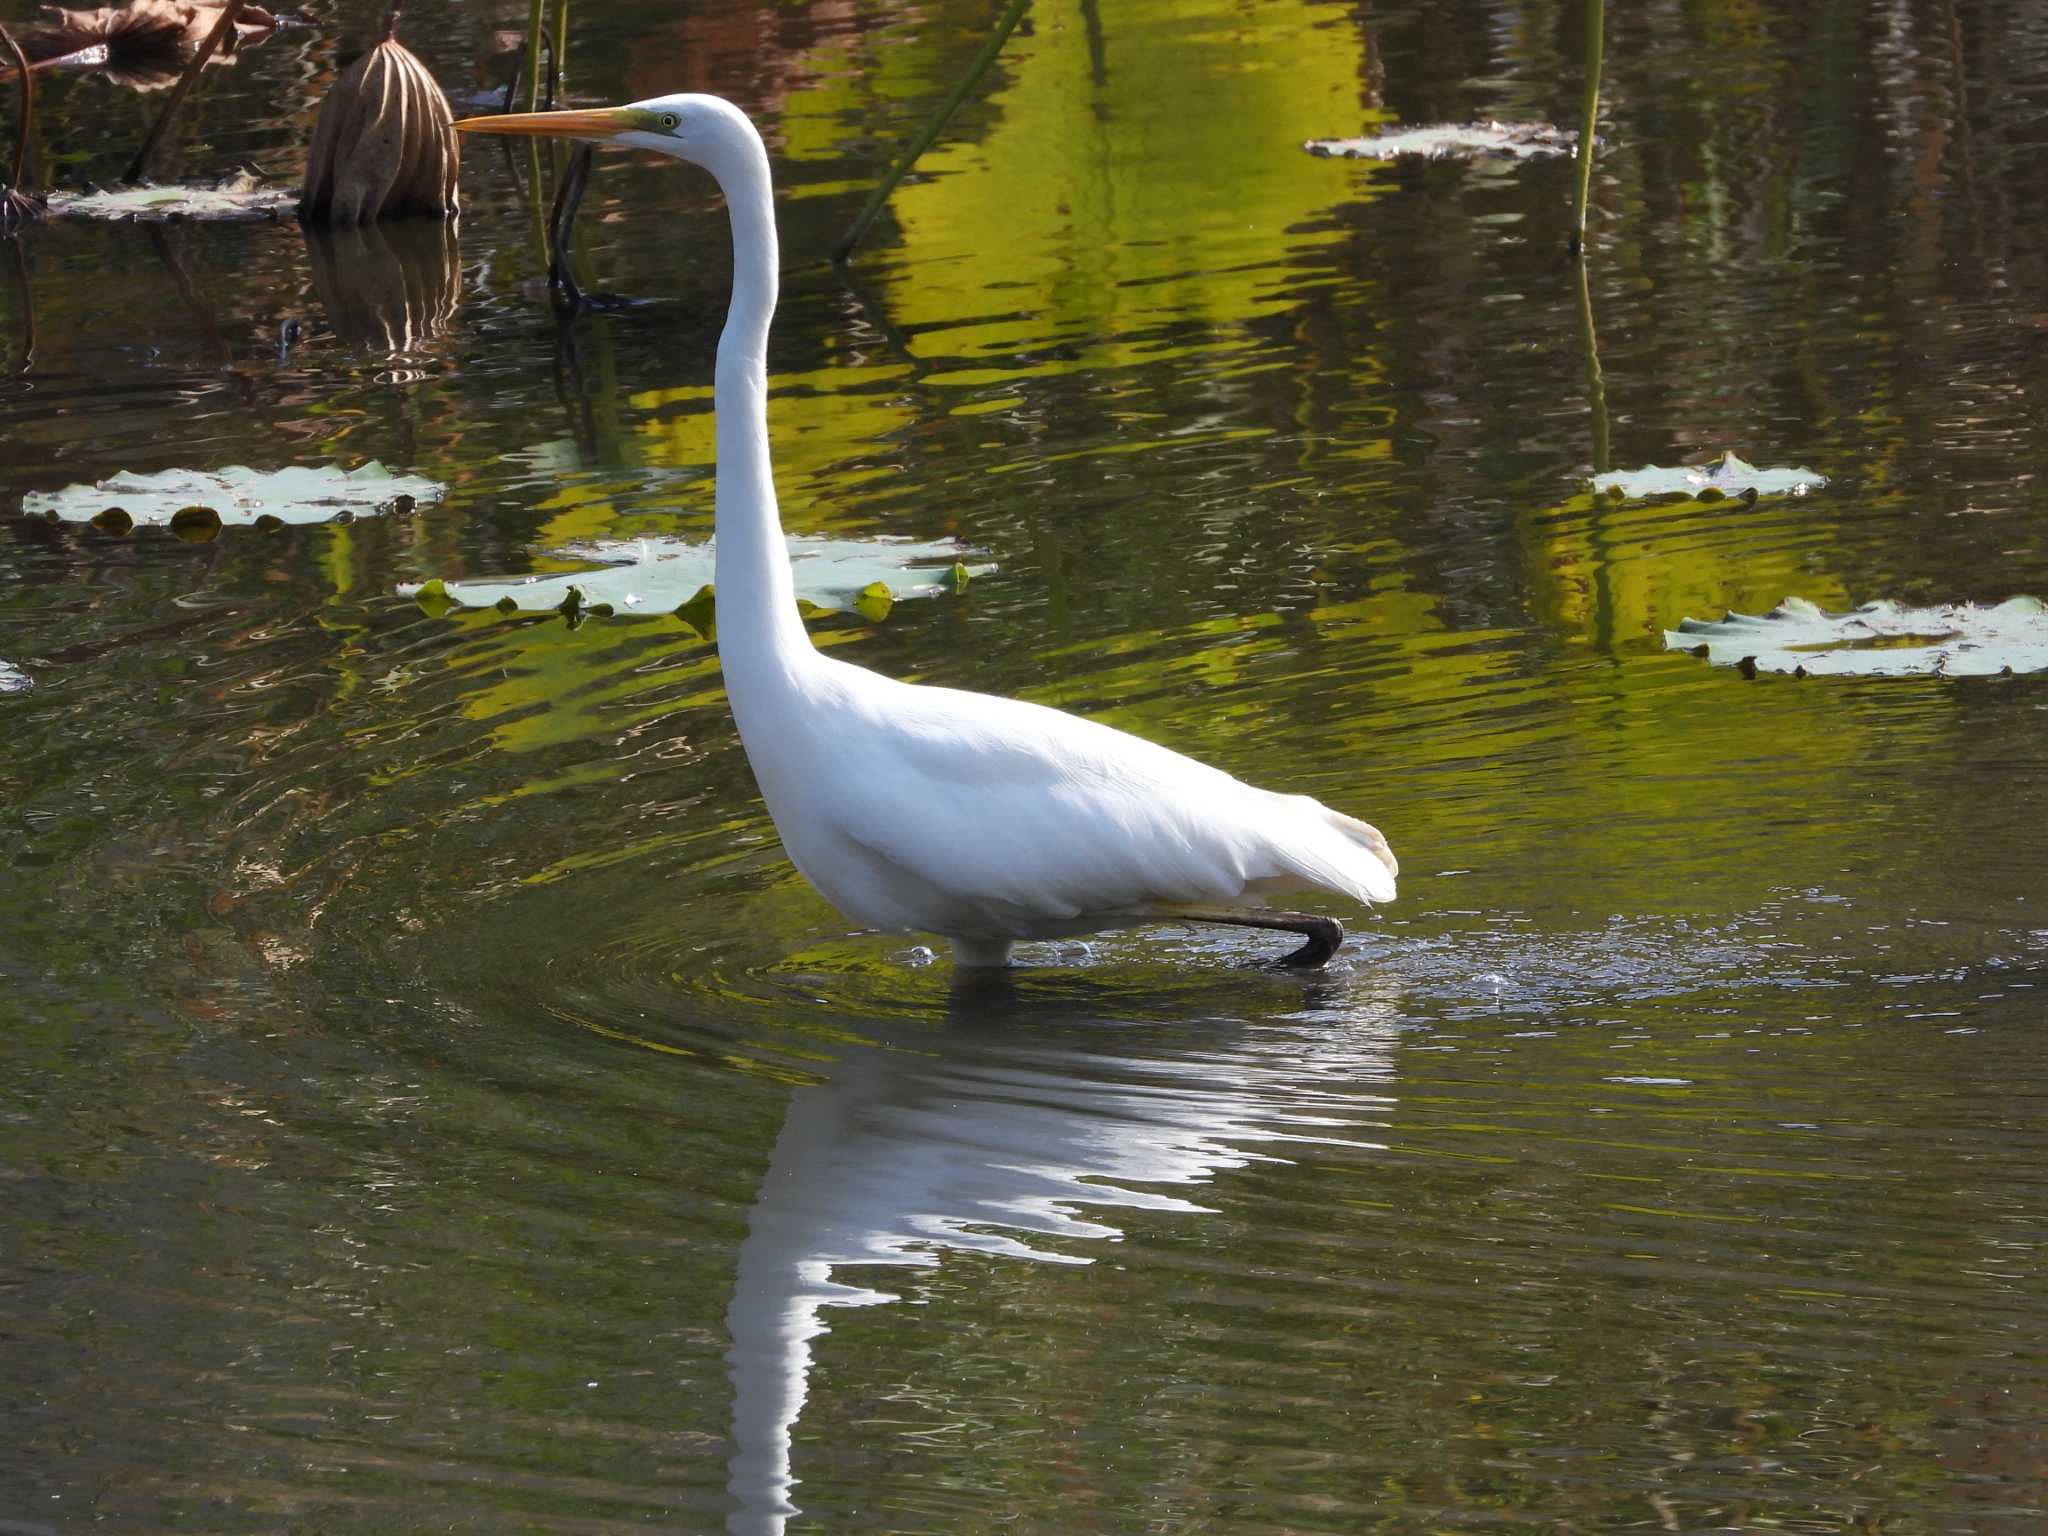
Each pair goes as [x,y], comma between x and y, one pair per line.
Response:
[669,121]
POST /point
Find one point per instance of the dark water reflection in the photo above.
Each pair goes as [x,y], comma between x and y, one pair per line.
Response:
[427,1099]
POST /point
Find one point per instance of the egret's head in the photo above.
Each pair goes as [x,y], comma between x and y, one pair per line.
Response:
[700,129]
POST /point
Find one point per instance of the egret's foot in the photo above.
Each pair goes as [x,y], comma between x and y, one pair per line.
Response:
[1321,935]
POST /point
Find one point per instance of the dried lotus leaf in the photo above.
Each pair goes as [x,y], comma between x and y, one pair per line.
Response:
[383,145]
[142,45]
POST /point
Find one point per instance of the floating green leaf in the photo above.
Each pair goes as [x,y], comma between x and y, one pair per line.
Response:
[873,602]
[240,198]
[433,598]
[1730,477]
[1880,639]
[662,575]
[701,612]
[1452,141]
[196,504]
[195,525]
[14,680]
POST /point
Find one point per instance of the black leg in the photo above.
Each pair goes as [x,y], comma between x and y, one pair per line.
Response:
[1321,936]
[562,227]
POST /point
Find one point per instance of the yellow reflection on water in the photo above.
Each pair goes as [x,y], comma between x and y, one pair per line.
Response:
[1608,573]
[1151,175]
[831,428]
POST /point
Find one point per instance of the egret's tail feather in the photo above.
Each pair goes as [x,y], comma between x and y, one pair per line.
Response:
[1357,861]
[1374,842]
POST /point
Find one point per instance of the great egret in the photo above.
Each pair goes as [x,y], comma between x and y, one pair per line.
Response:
[919,809]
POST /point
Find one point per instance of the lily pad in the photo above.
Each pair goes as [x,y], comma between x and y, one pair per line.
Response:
[1452,141]
[14,680]
[662,575]
[1880,639]
[1730,477]
[237,198]
[197,503]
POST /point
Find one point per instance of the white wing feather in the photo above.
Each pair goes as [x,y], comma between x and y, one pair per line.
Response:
[968,813]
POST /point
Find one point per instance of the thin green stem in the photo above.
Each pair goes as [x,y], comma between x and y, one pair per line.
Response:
[558,60]
[923,141]
[1589,117]
[1596,382]
[536,15]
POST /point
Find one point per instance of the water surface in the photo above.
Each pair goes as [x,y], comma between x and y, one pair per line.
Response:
[428,1100]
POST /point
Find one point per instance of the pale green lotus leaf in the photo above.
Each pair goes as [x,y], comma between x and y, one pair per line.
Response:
[239,198]
[1452,141]
[240,496]
[1730,477]
[1880,639]
[664,575]
[14,680]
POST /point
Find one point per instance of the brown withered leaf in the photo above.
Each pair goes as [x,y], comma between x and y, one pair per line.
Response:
[142,45]
[383,145]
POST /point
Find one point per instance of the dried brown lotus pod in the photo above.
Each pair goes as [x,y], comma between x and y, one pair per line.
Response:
[383,145]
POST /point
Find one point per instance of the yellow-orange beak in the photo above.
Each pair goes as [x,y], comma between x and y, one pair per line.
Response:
[600,125]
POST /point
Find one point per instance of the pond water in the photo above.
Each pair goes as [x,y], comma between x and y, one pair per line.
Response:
[428,1100]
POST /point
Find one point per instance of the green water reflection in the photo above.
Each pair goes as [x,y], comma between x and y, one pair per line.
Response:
[428,1099]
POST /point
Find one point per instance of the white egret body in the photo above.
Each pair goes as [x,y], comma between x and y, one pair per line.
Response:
[919,809]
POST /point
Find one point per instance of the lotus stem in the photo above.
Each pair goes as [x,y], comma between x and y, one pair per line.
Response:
[28,107]
[28,309]
[189,292]
[558,55]
[17,208]
[223,28]
[1596,382]
[59,61]
[1588,118]
[923,142]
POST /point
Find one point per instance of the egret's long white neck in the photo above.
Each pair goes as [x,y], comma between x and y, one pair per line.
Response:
[760,635]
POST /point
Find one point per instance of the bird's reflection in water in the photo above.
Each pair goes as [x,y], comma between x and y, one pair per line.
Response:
[1018,1129]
